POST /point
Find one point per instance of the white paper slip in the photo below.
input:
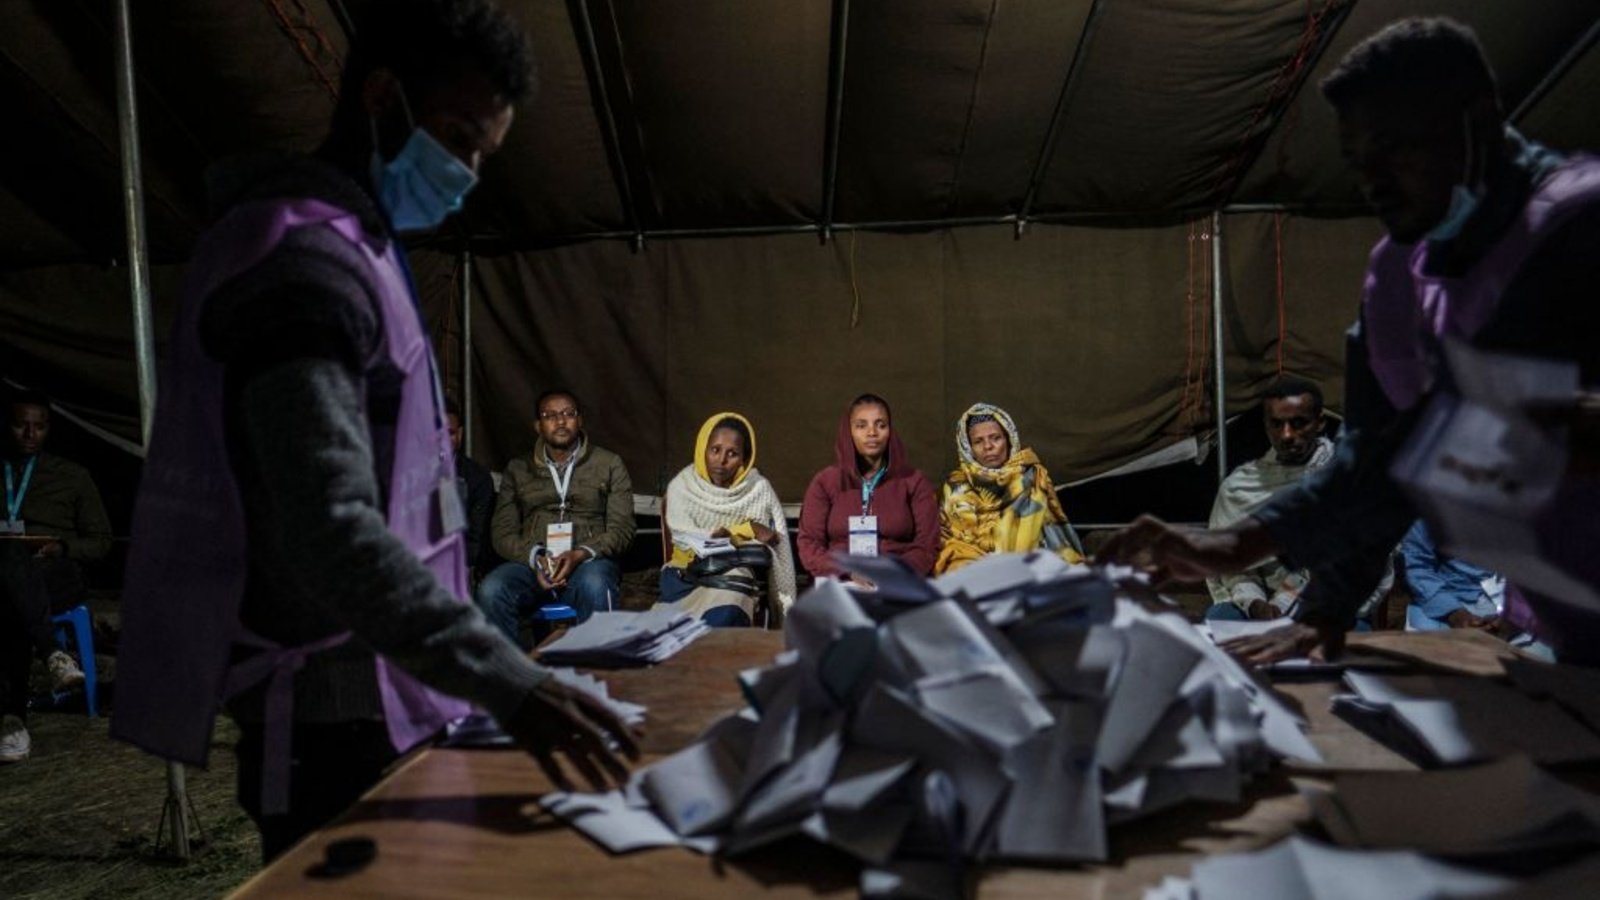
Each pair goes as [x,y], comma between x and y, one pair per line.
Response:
[558,538]
[702,545]
[609,821]
[1300,869]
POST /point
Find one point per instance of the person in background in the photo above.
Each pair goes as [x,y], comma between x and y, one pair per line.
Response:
[1291,409]
[1000,499]
[563,516]
[1447,592]
[871,501]
[476,487]
[1491,240]
[297,537]
[53,523]
[722,495]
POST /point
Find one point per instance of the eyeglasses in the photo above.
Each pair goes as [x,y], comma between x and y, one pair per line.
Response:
[550,415]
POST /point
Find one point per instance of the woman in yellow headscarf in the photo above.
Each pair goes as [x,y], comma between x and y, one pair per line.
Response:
[722,496]
[1000,499]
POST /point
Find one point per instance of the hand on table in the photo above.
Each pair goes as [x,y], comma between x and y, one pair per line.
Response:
[764,534]
[1292,641]
[558,719]
[52,550]
[1262,611]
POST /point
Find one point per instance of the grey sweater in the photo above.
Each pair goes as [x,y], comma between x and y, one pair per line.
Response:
[309,427]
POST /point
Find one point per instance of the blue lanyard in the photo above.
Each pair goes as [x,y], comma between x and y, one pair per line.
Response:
[868,485]
[14,494]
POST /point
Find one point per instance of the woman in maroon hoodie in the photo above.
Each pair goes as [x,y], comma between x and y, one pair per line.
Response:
[870,502]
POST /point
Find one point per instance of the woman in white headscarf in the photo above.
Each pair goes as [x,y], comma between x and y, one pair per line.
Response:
[721,495]
[1000,499]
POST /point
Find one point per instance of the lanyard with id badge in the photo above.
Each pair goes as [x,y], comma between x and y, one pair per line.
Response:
[558,535]
[864,528]
[14,493]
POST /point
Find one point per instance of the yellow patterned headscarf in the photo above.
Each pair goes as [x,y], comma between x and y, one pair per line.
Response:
[1003,510]
[705,439]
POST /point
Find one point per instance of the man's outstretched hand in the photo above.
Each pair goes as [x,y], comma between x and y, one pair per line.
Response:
[1176,553]
[558,719]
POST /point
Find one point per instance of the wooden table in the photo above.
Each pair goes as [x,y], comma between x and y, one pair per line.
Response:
[464,823]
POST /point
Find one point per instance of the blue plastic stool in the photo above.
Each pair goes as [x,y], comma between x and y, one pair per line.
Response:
[557,615]
[83,633]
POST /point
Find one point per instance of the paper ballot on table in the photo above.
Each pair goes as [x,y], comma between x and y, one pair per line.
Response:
[624,638]
[989,703]
[1458,719]
[1301,869]
[1506,806]
[611,822]
[891,578]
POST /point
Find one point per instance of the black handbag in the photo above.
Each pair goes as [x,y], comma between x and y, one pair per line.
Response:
[715,571]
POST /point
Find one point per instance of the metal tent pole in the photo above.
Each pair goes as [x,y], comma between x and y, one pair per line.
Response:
[1220,376]
[177,815]
[466,351]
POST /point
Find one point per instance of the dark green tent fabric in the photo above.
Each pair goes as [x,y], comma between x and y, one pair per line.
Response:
[1095,332]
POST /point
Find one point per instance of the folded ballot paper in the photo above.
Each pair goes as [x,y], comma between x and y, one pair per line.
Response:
[1449,720]
[1010,711]
[1506,807]
[1302,869]
[1489,477]
[615,639]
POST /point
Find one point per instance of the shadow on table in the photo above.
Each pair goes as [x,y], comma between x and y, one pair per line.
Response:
[501,813]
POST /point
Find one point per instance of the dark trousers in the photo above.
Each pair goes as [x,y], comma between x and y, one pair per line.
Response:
[31,589]
[331,766]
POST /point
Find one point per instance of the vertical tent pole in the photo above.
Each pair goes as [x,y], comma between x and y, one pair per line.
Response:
[133,214]
[1220,377]
[466,351]
[177,815]
[830,155]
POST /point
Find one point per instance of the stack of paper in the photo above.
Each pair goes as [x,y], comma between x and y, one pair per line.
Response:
[610,639]
[701,545]
[1450,720]
[1505,807]
[1008,712]
[1299,868]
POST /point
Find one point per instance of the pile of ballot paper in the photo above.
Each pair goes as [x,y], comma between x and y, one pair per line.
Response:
[1010,710]
[614,639]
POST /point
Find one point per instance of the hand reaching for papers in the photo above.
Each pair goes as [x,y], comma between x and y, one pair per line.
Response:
[1462,618]
[1292,641]
[556,718]
[1176,553]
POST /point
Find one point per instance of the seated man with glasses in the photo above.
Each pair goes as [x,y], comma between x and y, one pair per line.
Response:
[562,516]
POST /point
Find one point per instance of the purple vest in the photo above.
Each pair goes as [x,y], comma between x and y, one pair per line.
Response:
[1401,305]
[186,568]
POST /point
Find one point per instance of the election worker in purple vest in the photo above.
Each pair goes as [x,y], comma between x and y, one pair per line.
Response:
[297,550]
[1493,244]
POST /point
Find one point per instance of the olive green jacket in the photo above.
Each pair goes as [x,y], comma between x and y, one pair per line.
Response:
[599,504]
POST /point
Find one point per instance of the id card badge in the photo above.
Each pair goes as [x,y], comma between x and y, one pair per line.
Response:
[452,513]
[863,535]
[558,538]
[12,526]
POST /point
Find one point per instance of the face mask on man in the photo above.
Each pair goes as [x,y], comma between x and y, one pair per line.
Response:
[423,184]
[1464,200]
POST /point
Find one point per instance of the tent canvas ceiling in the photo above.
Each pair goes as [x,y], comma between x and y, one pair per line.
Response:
[1135,118]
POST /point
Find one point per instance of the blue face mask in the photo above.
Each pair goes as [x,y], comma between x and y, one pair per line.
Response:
[423,184]
[1463,203]
[1463,200]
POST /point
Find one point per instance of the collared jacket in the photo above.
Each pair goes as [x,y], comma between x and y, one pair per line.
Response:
[599,504]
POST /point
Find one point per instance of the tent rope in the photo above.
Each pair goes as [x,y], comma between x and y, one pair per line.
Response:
[295,32]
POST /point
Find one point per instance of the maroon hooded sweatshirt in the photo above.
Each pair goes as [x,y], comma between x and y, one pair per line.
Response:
[904,502]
